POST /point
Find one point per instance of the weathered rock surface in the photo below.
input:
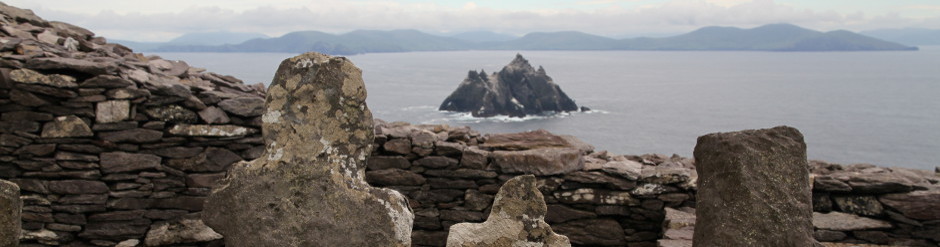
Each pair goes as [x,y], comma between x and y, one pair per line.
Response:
[318,134]
[243,106]
[861,205]
[189,229]
[66,126]
[516,219]
[542,161]
[112,111]
[619,166]
[536,152]
[211,130]
[113,162]
[525,140]
[837,221]
[753,189]
[678,228]
[596,196]
[516,91]
[593,232]
[28,76]
[11,207]
[921,205]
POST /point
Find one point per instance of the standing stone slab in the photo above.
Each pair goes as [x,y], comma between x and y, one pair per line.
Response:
[308,187]
[10,210]
[517,219]
[753,189]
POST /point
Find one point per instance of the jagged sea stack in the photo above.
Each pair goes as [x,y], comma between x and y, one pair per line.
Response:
[516,91]
[753,189]
[308,187]
[10,210]
[517,219]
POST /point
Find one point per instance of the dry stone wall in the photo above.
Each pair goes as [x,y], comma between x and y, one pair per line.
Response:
[864,203]
[106,144]
[451,175]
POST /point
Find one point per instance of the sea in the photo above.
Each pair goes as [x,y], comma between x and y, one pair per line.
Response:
[878,108]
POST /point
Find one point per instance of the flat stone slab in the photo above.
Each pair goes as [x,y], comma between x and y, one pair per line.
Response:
[837,221]
[673,243]
[211,130]
[541,161]
[29,76]
[921,205]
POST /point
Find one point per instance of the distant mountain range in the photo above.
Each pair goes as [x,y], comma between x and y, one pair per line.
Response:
[482,36]
[190,39]
[907,36]
[773,37]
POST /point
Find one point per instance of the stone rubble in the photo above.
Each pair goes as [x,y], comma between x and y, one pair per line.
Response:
[595,204]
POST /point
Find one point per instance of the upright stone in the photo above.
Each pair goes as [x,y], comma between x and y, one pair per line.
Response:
[753,189]
[308,187]
[517,219]
[10,210]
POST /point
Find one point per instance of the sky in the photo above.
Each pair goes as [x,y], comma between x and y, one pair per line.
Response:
[148,20]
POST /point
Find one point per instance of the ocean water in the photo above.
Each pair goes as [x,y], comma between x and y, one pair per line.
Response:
[852,107]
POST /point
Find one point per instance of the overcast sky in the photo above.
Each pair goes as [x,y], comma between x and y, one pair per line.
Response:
[162,20]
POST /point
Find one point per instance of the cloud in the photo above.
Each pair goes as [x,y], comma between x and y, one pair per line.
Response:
[609,18]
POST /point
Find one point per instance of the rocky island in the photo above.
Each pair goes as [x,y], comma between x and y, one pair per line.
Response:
[515,91]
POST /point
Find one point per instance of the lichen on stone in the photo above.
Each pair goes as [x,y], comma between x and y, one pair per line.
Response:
[318,134]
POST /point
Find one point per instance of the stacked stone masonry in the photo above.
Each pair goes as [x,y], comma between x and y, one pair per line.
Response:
[111,147]
[106,144]
[451,175]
